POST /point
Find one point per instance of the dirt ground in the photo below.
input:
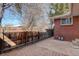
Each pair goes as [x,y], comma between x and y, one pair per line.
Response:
[47,47]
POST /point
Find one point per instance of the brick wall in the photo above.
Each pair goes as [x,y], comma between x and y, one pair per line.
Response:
[69,32]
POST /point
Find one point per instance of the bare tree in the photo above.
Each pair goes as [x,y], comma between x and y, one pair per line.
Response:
[3,6]
[35,16]
[1,13]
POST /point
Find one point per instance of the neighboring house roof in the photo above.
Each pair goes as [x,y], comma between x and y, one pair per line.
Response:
[74,11]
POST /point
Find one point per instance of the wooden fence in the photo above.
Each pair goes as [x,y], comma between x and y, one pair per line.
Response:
[21,38]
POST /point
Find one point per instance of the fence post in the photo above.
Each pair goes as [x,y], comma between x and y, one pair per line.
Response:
[3,33]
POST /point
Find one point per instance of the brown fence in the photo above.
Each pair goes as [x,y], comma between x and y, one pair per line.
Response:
[22,38]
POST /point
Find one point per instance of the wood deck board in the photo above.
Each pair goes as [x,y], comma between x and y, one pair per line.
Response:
[7,40]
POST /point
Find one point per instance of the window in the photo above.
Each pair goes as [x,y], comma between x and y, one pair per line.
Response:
[66,21]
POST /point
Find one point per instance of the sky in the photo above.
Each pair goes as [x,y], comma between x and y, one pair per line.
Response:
[10,17]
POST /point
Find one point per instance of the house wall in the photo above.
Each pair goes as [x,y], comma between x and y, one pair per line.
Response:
[75,9]
[69,32]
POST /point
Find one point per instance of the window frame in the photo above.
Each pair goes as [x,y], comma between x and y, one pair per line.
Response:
[67,18]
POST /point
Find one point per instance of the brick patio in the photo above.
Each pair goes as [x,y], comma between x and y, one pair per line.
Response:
[48,47]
